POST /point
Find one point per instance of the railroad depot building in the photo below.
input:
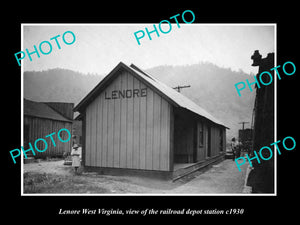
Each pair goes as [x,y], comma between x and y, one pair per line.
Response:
[134,124]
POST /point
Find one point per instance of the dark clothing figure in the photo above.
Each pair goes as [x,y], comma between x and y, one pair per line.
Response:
[238,149]
[233,148]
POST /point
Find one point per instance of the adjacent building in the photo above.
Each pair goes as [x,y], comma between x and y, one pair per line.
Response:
[44,118]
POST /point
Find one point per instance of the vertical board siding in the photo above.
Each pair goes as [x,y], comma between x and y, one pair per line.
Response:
[123,122]
[93,135]
[88,136]
[143,129]
[129,129]
[110,130]
[184,139]
[171,137]
[149,130]
[224,139]
[128,132]
[205,140]
[156,131]
[201,151]
[164,135]
[40,128]
[99,133]
[117,125]
[65,109]
[104,147]
[215,140]
[136,127]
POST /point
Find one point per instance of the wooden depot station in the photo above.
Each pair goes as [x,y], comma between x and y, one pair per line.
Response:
[134,124]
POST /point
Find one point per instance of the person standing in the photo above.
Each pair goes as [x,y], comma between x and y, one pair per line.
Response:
[75,157]
[238,146]
[233,147]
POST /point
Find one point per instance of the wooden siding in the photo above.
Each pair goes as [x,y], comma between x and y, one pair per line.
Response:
[215,139]
[201,148]
[184,139]
[129,133]
[35,128]
[215,146]
[224,140]
[187,147]
[63,108]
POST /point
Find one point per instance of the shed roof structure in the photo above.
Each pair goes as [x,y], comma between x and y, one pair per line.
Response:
[42,110]
[42,119]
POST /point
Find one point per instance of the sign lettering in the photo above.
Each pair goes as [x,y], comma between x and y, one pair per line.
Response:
[128,93]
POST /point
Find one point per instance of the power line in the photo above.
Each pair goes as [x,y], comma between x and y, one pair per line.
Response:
[244,122]
[178,88]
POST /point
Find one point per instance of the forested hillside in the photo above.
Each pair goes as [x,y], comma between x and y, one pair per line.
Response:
[212,88]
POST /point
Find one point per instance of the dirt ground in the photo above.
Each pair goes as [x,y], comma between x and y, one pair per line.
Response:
[54,177]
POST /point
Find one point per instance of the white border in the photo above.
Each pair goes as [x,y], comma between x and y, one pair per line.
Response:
[275,111]
[151,194]
[22,113]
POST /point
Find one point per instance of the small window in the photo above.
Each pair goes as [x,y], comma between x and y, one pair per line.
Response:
[200,133]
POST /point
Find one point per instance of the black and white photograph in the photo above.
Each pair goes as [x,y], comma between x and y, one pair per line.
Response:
[168,109]
[138,112]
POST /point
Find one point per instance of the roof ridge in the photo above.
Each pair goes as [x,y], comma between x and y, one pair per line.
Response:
[56,110]
[33,108]
[63,108]
[143,72]
[169,93]
[182,97]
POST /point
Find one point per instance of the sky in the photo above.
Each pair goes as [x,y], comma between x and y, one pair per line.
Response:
[98,48]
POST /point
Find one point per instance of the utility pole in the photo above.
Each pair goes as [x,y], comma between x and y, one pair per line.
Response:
[243,123]
[180,87]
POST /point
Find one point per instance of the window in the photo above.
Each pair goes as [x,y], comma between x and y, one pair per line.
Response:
[200,134]
[208,153]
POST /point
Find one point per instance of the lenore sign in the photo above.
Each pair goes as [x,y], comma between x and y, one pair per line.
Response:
[128,93]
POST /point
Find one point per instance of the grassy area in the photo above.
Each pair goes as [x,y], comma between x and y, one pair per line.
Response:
[53,183]
[54,178]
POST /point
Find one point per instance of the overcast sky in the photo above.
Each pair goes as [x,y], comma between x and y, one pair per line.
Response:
[99,48]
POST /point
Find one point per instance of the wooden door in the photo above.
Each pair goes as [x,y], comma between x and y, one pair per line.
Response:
[208,141]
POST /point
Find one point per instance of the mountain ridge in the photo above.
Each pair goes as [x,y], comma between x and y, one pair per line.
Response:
[212,88]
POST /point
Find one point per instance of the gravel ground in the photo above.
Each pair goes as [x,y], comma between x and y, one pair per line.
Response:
[54,177]
[221,178]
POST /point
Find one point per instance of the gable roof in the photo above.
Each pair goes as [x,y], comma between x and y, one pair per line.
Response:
[42,110]
[63,108]
[172,96]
